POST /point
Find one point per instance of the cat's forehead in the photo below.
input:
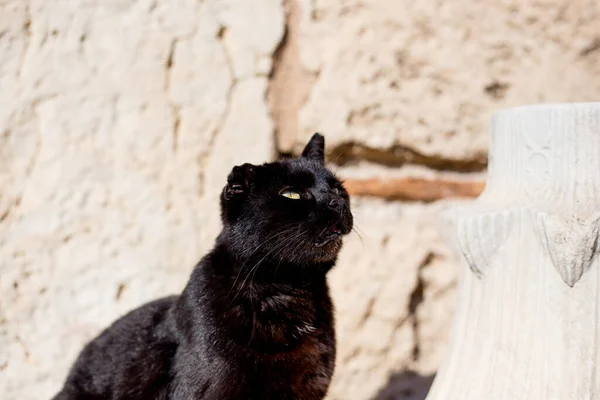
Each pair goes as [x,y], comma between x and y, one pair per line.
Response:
[307,172]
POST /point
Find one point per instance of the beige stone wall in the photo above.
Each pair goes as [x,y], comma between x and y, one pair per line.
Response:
[119,120]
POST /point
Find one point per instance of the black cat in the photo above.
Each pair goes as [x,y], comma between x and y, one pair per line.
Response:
[255,321]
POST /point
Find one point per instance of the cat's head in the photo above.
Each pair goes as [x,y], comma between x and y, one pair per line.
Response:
[292,211]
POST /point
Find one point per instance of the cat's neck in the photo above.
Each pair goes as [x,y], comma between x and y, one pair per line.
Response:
[267,307]
[263,267]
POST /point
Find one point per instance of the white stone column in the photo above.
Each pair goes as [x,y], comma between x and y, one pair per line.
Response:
[527,325]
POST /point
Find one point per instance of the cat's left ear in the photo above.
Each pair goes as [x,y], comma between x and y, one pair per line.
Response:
[239,181]
[315,149]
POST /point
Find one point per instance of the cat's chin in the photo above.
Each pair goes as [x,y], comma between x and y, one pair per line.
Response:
[329,243]
[331,235]
[324,252]
[330,238]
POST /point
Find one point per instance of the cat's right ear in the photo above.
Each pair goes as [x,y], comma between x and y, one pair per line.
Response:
[315,149]
[239,181]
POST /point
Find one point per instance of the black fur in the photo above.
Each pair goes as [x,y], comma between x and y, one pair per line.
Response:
[255,321]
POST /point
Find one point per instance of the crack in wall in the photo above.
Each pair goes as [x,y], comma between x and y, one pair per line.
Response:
[399,155]
[29,33]
[414,189]
[39,137]
[175,109]
[205,160]
[234,81]
[5,214]
[367,314]
[591,48]
[174,106]
[170,60]
[289,82]
[416,299]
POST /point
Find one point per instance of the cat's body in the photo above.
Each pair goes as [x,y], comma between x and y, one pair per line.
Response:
[255,321]
[173,348]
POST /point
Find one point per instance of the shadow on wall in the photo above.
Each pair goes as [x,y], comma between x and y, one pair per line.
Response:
[405,385]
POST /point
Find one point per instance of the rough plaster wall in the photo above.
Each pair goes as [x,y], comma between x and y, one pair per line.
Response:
[119,121]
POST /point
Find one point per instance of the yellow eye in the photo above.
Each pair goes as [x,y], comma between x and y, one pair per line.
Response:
[291,194]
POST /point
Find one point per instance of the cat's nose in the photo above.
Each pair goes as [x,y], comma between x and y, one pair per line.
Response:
[336,204]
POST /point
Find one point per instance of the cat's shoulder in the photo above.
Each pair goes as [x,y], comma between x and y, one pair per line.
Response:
[136,351]
[143,327]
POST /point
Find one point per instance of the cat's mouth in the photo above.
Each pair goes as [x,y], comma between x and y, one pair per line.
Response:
[329,235]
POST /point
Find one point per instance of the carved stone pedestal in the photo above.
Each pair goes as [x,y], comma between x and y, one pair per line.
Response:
[527,325]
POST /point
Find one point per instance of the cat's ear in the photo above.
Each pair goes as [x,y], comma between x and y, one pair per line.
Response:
[315,149]
[239,181]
